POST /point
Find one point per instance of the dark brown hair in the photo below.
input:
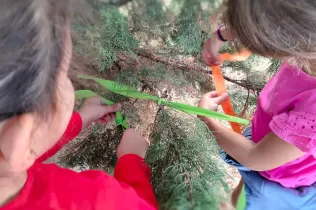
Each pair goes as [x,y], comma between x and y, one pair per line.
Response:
[275,28]
[32,36]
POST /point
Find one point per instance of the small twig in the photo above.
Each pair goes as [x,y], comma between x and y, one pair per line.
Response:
[117,3]
[144,87]
[189,186]
[161,107]
[243,112]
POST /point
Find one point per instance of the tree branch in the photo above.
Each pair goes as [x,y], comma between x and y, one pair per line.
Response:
[244,110]
[196,67]
[115,2]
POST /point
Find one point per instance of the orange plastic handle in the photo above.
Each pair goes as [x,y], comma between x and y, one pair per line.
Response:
[220,83]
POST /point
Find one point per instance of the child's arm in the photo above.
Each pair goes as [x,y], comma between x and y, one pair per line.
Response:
[130,187]
[271,152]
[132,171]
[131,168]
[93,110]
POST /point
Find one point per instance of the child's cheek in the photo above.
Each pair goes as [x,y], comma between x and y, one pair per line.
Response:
[64,112]
[58,122]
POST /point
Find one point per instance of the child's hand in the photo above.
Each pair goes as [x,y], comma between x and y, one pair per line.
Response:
[210,51]
[94,110]
[212,46]
[132,143]
[211,100]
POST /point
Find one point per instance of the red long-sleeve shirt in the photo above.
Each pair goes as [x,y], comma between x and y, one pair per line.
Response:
[51,187]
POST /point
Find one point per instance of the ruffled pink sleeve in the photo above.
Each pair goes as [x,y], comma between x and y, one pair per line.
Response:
[297,128]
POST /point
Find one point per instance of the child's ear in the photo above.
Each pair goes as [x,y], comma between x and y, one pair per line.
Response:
[15,142]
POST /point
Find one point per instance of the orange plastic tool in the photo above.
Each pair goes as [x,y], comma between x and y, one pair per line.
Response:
[220,83]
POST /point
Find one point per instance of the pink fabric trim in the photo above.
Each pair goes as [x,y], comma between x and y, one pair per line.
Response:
[296,128]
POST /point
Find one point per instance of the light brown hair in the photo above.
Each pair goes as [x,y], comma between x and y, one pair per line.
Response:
[275,28]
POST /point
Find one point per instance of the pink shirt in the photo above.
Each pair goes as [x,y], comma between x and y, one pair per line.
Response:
[287,107]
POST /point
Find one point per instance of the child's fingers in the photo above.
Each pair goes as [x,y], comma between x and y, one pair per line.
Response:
[221,98]
[207,58]
[132,143]
[212,94]
[111,115]
[112,108]
[210,52]
[105,119]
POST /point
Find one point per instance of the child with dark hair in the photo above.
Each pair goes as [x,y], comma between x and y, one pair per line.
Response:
[278,165]
[36,107]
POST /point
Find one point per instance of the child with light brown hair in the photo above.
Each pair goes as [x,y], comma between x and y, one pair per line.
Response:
[278,165]
[37,119]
